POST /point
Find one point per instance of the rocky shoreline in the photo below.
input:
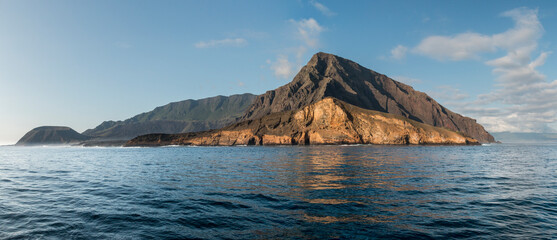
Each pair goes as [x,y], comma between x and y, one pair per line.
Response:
[329,121]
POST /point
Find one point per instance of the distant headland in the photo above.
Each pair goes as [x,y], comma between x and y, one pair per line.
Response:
[51,135]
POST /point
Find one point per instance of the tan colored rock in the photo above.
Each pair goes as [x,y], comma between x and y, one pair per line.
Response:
[327,75]
[329,121]
[276,140]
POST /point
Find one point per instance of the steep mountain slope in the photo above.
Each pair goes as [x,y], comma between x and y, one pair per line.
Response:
[51,135]
[329,121]
[327,75]
[177,117]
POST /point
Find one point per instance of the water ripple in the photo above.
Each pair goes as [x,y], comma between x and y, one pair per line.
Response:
[321,192]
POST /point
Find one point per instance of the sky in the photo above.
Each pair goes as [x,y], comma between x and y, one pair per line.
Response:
[79,63]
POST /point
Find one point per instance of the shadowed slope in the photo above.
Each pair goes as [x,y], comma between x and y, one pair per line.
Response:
[177,117]
[329,121]
[327,75]
[51,135]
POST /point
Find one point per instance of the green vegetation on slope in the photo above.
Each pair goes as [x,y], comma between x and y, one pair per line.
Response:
[207,109]
[177,117]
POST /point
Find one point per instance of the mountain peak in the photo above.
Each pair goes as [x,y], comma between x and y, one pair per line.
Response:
[328,75]
[323,61]
[322,56]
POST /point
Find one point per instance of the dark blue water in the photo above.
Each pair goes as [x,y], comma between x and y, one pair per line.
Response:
[321,192]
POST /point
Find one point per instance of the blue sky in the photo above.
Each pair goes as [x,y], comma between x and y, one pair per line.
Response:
[78,63]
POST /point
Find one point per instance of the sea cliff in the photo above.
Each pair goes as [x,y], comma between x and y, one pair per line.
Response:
[329,121]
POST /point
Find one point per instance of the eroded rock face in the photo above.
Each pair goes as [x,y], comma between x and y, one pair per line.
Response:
[327,75]
[329,121]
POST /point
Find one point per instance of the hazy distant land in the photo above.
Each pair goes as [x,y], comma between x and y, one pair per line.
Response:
[516,137]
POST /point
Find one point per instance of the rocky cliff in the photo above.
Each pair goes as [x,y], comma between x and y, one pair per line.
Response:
[329,121]
[327,75]
[48,135]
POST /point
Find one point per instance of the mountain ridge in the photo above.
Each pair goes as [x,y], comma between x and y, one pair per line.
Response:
[328,75]
[176,117]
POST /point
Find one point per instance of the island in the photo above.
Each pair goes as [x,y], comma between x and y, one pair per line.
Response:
[349,104]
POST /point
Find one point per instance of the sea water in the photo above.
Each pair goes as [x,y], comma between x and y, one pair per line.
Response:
[498,191]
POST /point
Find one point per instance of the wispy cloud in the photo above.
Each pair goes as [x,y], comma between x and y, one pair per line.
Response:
[323,9]
[399,52]
[282,67]
[525,100]
[459,47]
[227,42]
[124,45]
[308,32]
[469,45]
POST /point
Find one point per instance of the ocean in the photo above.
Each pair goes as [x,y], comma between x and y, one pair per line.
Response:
[497,191]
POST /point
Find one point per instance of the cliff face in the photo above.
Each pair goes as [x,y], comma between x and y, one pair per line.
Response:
[329,121]
[327,75]
[177,117]
[51,135]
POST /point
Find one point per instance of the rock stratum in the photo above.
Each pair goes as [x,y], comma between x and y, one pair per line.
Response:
[327,75]
[329,121]
[52,135]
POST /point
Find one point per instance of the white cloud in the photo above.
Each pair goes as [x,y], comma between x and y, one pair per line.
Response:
[323,9]
[525,101]
[227,42]
[525,33]
[282,67]
[308,31]
[399,52]
[459,47]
